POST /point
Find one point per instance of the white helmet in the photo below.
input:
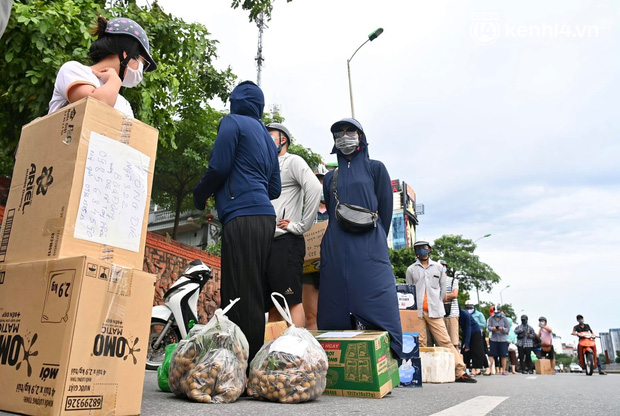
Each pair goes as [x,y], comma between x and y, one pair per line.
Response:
[469,303]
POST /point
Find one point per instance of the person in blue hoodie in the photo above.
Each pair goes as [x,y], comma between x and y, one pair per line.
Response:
[244,175]
[357,282]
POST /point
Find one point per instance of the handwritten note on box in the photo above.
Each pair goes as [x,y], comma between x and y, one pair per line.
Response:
[113,195]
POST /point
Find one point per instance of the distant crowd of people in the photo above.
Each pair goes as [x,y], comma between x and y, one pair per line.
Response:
[487,345]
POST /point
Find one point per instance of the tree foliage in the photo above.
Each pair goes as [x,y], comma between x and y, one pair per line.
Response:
[256,7]
[458,252]
[312,159]
[42,35]
[401,260]
[180,167]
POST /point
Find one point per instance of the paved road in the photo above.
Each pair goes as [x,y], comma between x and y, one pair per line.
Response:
[562,394]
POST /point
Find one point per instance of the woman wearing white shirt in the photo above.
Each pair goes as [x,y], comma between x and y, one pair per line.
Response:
[120,56]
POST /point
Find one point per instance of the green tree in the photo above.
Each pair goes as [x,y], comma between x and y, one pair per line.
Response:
[458,252]
[180,166]
[618,356]
[256,7]
[401,260]
[312,159]
[508,309]
[563,359]
[42,35]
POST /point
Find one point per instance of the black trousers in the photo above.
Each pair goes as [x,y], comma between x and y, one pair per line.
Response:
[246,242]
[525,358]
[475,357]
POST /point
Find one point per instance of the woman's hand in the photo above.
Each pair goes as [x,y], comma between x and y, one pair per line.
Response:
[107,74]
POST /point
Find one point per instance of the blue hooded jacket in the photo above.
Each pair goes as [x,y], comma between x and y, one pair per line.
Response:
[356,273]
[243,172]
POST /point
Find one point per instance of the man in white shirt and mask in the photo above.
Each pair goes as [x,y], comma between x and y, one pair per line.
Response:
[295,211]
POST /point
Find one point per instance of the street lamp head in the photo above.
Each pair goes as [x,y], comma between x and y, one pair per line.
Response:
[486,235]
[374,35]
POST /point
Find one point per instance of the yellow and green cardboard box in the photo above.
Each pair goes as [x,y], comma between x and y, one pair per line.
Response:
[360,363]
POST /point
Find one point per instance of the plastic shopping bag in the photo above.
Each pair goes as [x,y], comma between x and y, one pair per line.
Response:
[290,369]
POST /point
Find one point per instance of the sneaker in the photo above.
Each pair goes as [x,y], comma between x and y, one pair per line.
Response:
[602,373]
[465,379]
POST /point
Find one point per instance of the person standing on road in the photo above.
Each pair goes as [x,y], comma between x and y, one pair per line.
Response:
[451,304]
[311,281]
[481,320]
[296,208]
[525,341]
[244,175]
[583,327]
[430,283]
[357,280]
[498,327]
[545,334]
[476,314]
[472,346]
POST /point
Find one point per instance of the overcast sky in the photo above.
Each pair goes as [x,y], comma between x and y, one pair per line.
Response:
[502,116]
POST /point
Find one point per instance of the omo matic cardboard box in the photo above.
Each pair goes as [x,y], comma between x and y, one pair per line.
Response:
[73,337]
[81,186]
[313,238]
[360,363]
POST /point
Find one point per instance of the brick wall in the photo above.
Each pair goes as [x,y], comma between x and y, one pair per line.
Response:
[167,259]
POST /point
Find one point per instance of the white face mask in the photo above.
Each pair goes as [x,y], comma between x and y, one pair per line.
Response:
[133,76]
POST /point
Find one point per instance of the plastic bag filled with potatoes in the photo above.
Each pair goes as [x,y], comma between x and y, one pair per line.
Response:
[290,369]
[210,365]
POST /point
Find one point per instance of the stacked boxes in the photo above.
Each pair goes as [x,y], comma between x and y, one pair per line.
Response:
[74,303]
[360,363]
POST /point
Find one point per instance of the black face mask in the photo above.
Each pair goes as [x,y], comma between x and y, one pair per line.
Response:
[524,321]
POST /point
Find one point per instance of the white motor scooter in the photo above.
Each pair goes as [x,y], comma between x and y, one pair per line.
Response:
[170,321]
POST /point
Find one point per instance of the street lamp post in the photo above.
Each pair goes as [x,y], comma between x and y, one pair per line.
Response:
[374,35]
[484,236]
[500,294]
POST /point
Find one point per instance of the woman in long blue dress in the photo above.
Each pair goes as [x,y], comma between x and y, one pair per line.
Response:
[357,282]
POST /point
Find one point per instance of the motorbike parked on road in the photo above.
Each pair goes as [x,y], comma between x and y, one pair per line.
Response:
[587,348]
[170,321]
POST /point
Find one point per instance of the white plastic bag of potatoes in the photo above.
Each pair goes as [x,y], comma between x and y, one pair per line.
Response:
[290,369]
[210,365]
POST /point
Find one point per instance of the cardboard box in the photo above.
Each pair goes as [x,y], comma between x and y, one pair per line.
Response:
[81,186]
[313,237]
[411,344]
[410,372]
[274,330]
[543,366]
[409,321]
[437,365]
[406,297]
[73,337]
[360,363]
